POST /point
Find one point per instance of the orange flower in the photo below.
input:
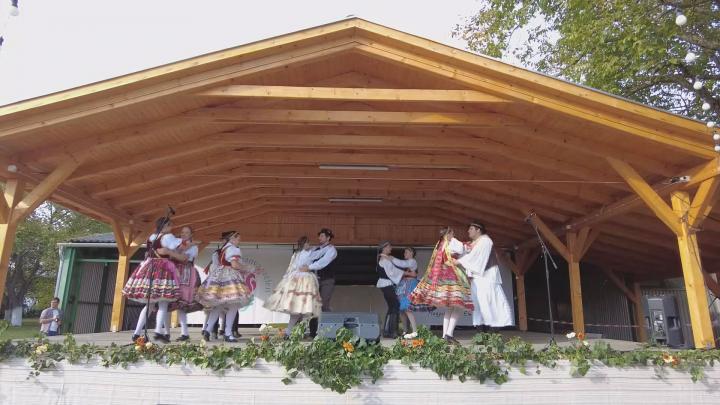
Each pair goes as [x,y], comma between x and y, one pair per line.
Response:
[581,336]
[348,347]
[140,341]
[670,359]
[403,342]
[264,338]
[418,343]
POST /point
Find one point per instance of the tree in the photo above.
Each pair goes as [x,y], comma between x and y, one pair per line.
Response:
[632,48]
[35,260]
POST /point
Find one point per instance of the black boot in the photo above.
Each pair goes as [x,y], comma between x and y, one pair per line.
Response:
[313,327]
[391,325]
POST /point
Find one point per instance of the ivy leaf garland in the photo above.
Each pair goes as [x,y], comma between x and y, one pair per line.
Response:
[349,361]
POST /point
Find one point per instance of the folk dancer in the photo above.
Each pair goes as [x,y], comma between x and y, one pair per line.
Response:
[481,266]
[224,288]
[155,280]
[320,263]
[189,282]
[298,292]
[404,288]
[389,277]
[443,285]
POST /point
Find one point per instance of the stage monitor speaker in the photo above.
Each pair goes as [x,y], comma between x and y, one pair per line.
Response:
[363,324]
[663,318]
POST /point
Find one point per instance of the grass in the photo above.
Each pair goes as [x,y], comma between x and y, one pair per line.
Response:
[29,329]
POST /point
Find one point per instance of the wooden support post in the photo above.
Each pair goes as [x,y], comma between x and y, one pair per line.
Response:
[640,315]
[128,242]
[577,244]
[693,275]
[578,315]
[522,302]
[11,196]
[682,219]
[15,206]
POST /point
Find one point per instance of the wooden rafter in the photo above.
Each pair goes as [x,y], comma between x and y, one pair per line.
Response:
[332,117]
[349,94]
[525,94]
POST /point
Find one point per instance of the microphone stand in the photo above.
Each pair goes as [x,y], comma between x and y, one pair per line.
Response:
[168,213]
[546,256]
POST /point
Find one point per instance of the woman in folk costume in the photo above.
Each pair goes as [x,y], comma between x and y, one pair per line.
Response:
[443,285]
[189,281]
[404,288]
[155,280]
[224,288]
[298,293]
[389,276]
[481,265]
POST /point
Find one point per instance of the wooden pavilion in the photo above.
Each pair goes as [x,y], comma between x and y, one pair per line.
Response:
[377,134]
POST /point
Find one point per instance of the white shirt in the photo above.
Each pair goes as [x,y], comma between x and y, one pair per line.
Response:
[476,261]
[168,241]
[456,247]
[232,253]
[321,257]
[394,273]
[191,253]
[410,264]
[302,258]
[53,324]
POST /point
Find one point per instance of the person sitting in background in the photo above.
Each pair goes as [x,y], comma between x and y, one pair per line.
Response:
[51,318]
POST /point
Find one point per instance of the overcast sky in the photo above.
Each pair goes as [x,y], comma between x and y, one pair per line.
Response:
[55,45]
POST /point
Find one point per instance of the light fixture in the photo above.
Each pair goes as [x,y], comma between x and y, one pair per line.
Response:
[355,200]
[355,167]
[12,168]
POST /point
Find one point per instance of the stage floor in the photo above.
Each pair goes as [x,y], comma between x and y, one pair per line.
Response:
[538,340]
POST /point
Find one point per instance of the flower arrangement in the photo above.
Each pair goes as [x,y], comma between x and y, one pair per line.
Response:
[348,360]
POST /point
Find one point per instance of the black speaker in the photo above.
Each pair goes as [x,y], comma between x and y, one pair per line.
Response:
[663,319]
[363,324]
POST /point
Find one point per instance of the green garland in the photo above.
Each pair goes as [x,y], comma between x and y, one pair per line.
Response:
[343,363]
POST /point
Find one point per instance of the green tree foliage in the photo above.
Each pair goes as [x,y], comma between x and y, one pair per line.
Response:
[631,48]
[35,259]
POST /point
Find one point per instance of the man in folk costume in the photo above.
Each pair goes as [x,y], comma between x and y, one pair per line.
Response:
[481,266]
[389,277]
[320,259]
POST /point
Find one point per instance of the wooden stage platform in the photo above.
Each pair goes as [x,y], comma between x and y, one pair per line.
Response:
[150,383]
[538,340]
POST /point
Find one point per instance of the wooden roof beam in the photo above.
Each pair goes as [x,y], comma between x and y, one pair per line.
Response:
[192,83]
[350,94]
[695,175]
[524,93]
[333,117]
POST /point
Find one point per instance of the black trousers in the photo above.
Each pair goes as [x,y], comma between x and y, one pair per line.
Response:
[327,286]
[390,325]
[391,299]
